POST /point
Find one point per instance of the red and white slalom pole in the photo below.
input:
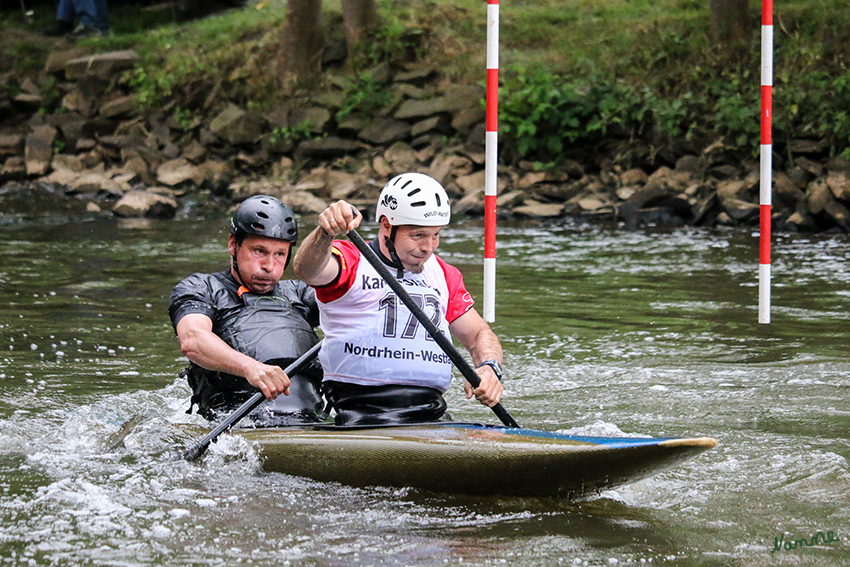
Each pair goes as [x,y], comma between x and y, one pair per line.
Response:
[766,158]
[491,140]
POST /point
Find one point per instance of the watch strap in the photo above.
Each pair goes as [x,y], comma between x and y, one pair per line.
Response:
[497,368]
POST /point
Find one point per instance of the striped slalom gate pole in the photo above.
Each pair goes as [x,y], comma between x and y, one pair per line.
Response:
[491,140]
[766,158]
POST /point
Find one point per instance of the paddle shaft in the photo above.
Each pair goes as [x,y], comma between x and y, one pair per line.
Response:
[194,452]
[436,333]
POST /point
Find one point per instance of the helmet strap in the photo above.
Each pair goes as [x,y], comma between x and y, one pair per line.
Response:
[390,242]
[235,265]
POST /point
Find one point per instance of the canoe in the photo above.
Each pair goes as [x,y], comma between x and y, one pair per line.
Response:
[468,458]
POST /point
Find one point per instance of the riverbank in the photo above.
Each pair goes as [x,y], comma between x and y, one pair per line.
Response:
[85,126]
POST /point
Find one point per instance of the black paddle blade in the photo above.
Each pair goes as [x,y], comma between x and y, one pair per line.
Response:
[504,416]
[194,452]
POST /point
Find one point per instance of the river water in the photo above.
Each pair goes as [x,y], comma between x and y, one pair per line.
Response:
[605,332]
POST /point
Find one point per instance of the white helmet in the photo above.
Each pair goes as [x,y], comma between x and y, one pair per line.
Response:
[414,199]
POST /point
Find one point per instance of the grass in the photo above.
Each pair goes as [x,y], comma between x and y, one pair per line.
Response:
[233,48]
[573,71]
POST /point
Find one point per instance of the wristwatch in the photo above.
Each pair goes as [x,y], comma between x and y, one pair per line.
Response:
[497,368]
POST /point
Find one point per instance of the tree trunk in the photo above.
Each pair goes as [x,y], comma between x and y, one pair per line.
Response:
[302,42]
[359,17]
[730,20]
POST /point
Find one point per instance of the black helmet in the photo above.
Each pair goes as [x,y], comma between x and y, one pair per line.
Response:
[264,216]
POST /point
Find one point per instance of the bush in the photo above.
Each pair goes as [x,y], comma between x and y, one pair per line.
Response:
[544,114]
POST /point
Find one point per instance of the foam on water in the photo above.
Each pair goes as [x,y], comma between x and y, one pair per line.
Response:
[108,493]
[102,492]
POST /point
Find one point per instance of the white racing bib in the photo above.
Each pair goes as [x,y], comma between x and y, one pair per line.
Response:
[372,338]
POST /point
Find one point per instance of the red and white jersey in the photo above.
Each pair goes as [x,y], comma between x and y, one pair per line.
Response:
[372,338]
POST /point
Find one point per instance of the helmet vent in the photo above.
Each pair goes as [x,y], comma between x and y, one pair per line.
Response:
[414,192]
[418,204]
[258,226]
[437,196]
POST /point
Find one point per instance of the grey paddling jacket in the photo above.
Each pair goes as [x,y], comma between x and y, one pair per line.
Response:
[275,328]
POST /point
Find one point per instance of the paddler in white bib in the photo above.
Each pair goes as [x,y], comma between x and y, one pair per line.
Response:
[380,364]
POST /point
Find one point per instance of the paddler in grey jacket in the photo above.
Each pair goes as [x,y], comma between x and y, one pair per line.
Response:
[240,327]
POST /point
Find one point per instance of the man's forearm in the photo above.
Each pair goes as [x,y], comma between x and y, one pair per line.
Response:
[476,337]
[314,255]
[486,347]
[209,351]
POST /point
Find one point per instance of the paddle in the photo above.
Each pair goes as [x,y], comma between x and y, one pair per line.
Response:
[437,334]
[195,451]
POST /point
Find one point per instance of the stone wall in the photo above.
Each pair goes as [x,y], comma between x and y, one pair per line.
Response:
[96,142]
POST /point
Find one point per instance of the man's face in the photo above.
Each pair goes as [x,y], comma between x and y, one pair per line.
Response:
[415,245]
[261,261]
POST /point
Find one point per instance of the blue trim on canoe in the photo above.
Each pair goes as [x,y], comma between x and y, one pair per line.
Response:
[613,442]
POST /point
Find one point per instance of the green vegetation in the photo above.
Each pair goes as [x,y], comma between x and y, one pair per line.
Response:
[365,95]
[573,72]
[234,49]
[300,132]
[186,118]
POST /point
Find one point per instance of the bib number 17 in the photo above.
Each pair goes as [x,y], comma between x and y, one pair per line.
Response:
[390,306]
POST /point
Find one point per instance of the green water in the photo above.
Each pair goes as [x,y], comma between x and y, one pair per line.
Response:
[605,331]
